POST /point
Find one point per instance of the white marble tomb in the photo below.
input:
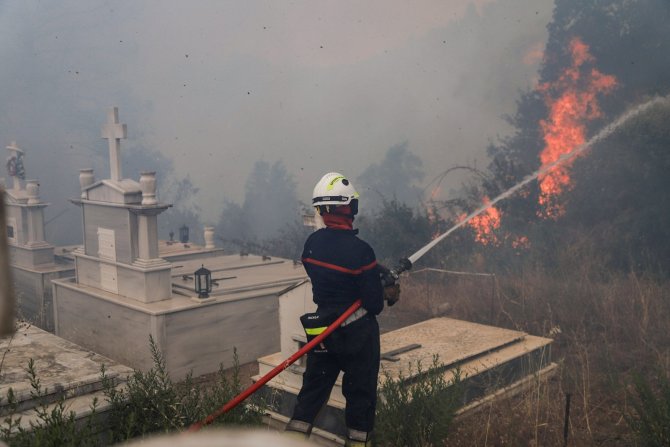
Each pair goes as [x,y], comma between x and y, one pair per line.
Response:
[128,286]
[32,259]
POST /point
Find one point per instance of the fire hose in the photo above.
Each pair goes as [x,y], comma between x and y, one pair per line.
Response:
[388,278]
[279,368]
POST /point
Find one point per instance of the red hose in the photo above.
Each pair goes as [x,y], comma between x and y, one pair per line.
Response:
[279,368]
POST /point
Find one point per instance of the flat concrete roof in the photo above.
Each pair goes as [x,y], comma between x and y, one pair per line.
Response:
[453,341]
[235,277]
[165,248]
[168,248]
[235,274]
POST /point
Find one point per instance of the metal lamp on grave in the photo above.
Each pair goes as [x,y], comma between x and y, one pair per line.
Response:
[203,282]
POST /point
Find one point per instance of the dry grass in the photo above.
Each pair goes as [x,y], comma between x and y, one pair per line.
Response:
[605,327]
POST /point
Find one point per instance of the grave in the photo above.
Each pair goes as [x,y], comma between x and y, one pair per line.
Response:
[66,373]
[34,263]
[491,360]
[128,287]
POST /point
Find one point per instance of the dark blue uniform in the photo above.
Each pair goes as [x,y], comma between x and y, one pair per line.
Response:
[342,269]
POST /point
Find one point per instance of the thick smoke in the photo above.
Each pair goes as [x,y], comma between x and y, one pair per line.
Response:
[213,87]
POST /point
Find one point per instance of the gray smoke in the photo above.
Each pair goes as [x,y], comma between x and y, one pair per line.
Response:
[215,86]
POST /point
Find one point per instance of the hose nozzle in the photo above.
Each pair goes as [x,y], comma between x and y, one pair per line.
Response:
[389,277]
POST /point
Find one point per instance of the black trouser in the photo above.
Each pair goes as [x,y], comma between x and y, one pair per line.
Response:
[353,349]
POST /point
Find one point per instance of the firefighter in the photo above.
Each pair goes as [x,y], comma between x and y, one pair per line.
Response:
[342,269]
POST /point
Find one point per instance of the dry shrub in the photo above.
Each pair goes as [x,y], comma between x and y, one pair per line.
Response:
[533,417]
[605,325]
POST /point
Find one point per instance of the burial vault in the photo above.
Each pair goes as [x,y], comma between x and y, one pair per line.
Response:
[33,261]
[128,287]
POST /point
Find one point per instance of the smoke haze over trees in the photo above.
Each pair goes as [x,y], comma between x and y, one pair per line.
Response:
[396,178]
[616,201]
[203,108]
[323,86]
[242,117]
[270,206]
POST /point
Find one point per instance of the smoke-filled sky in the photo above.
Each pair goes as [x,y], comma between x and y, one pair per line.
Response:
[216,85]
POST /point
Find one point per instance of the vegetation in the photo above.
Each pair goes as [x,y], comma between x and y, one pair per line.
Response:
[418,414]
[652,408]
[151,402]
[55,427]
[148,403]
[610,333]
[394,179]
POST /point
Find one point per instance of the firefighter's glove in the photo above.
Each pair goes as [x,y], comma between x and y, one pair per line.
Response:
[392,294]
[385,276]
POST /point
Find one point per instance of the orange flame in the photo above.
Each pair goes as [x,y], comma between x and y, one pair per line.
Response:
[485,225]
[574,105]
[521,242]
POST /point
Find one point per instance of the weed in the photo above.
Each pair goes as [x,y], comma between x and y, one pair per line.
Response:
[54,426]
[417,410]
[150,402]
[651,418]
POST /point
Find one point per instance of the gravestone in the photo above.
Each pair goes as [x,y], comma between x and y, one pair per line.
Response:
[129,287]
[32,258]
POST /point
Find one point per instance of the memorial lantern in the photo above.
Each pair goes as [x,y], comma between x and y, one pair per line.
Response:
[203,282]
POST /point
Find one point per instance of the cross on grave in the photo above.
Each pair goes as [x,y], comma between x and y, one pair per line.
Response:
[15,164]
[113,131]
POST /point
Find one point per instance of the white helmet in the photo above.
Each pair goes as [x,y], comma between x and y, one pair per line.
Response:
[334,189]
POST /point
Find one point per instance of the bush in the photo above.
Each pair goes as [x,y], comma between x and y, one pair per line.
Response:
[150,402]
[651,423]
[417,411]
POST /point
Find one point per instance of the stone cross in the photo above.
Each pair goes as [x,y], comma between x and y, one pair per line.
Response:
[113,131]
[16,153]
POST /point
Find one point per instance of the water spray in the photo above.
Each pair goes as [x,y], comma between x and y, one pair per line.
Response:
[604,133]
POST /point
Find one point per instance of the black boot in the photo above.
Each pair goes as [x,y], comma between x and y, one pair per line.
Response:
[298,429]
[357,438]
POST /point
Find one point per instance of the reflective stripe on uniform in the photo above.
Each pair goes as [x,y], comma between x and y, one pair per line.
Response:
[315,330]
[339,268]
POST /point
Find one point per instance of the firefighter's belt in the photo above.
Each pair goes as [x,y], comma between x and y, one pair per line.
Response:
[360,313]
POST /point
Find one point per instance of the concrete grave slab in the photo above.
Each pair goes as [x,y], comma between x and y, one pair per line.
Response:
[65,371]
[488,359]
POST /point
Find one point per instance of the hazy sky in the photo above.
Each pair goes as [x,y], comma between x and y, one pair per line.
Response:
[217,85]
